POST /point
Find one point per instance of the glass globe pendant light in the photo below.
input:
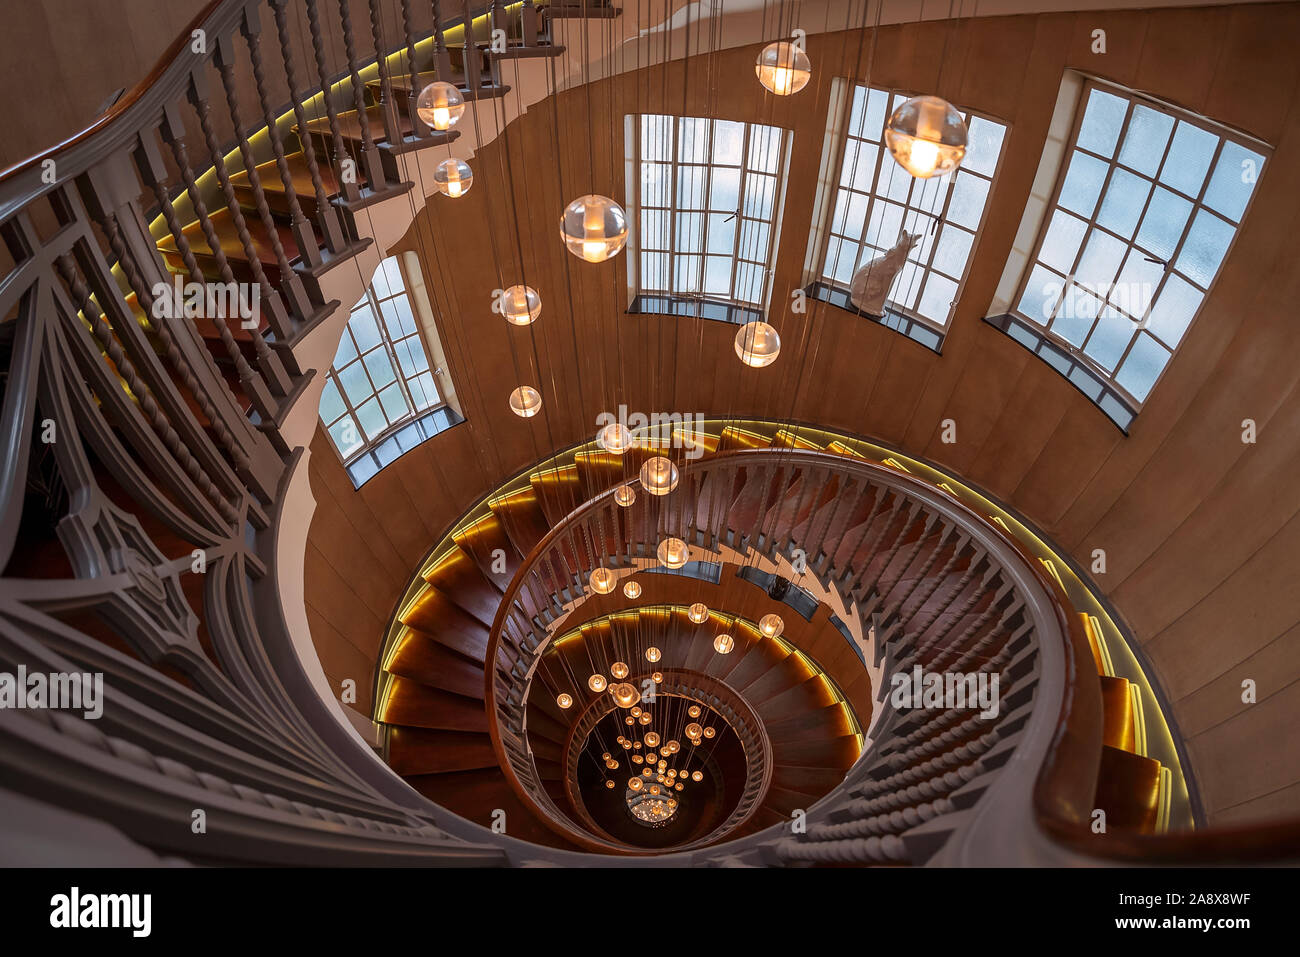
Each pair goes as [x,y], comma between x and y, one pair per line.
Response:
[659,475]
[652,654]
[619,670]
[673,553]
[596,683]
[615,437]
[625,695]
[723,644]
[525,401]
[453,178]
[697,776]
[694,731]
[783,68]
[926,136]
[440,105]
[564,701]
[698,613]
[771,625]
[602,581]
[625,495]
[594,228]
[758,344]
[521,305]
[632,590]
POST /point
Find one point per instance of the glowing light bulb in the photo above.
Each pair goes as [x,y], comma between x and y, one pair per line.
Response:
[659,475]
[564,701]
[525,401]
[615,438]
[625,695]
[596,683]
[632,590]
[927,136]
[521,305]
[653,654]
[625,495]
[619,670]
[453,178]
[771,625]
[673,553]
[758,344]
[594,228]
[440,105]
[783,68]
[698,612]
[723,644]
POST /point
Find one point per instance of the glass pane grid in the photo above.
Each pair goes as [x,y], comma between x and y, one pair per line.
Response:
[876,201]
[380,376]
[708,190]
[1142,219]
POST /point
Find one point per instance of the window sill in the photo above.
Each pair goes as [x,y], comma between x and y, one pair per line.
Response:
[366,465]
[1103,395]
[698,307]
[916,330]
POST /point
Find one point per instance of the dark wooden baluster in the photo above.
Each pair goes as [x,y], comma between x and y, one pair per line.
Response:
[528,23]
[103,333]
[369,152]
[171,350]
[344,165]
[290,282]
[276,377]
[327,216]
[413,71]
[278,318]
[473,61]
[441,58]
[392,125]
[302,231]
[252,384]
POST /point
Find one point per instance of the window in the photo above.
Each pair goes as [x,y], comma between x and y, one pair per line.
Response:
[1143,213]
[380,379]
[709,201]
[876,200]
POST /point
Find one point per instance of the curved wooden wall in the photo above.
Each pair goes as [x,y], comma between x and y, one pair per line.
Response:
[1200,530]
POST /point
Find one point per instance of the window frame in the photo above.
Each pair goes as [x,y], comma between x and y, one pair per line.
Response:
[899,317]
[736,310]
[1225,134]
[388,344]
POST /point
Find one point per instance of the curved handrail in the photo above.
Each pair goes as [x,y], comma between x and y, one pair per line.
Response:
[129,99]
[549,545]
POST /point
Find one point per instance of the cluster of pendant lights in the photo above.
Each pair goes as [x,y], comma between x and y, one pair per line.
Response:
[926,136]
[656,779]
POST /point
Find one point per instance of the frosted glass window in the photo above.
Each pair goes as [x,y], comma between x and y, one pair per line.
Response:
[1144,213]
[380,376]
[876,200]
[708,206]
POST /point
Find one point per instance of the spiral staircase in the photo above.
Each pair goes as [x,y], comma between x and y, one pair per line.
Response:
[147,541]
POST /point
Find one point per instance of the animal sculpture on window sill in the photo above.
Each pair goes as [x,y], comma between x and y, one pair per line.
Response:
[871,283]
